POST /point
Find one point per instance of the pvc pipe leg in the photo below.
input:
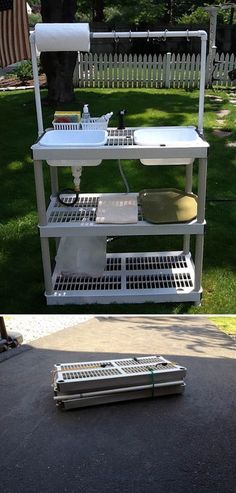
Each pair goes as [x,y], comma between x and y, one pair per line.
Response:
[188,178]
[40,194]
[202,178]
[46,265]
[188,189]
[198,261]
[54,180]
[186,244]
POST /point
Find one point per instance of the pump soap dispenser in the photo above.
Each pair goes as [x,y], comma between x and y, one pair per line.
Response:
[85,114]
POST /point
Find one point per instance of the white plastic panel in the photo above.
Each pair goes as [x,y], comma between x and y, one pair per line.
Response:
[85,162]
[97,375]
[131,278]
[74,138]
[120,145]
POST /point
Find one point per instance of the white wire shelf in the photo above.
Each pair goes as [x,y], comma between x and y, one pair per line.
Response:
[112,374]
[131,278]
[80,219]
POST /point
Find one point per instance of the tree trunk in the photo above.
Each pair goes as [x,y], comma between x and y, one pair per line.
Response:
[98,10]
[231,17]
[169,13]
[59,66]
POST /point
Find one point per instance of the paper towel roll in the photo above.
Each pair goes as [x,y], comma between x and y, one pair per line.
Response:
[62,37]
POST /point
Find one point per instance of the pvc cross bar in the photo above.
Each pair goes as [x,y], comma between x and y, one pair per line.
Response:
[149,34]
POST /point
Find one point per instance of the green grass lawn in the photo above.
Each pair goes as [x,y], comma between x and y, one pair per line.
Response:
[20,258]
[226,324]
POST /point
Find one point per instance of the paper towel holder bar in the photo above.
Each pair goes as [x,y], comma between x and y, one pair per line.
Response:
[148,34]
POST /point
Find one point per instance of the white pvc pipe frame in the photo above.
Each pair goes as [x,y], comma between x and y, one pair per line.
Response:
[116,36]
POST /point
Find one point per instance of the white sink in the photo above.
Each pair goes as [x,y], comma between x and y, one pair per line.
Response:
[167,137]
[74,138]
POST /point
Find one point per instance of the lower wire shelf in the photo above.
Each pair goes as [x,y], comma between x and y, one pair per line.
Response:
[130,278]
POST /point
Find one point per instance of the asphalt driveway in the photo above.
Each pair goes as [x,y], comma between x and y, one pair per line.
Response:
[172,444]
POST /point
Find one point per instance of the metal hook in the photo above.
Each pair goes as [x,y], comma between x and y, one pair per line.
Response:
[164,37]
[130,37]
[188,36]
[148,35]
[116,38]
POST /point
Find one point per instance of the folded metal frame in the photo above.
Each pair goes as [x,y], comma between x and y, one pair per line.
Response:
[170,388]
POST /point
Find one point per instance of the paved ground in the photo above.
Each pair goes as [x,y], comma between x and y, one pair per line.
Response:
[32,327]
[178,444]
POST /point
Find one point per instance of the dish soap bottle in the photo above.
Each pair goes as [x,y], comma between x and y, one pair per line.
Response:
[85,114]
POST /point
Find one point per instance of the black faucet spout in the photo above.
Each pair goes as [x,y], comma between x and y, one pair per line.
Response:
[121,123]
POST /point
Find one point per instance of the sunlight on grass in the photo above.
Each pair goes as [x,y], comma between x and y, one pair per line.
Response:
[15,165]
[226,324]
[19,228]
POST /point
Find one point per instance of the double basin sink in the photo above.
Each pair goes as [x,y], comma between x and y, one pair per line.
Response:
[164,137]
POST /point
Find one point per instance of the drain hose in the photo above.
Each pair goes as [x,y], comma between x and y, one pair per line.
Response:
[123,177]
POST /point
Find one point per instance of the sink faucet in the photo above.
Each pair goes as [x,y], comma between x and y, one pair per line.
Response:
[121,123]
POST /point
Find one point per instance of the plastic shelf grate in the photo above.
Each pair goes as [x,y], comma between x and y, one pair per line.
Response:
[178,275]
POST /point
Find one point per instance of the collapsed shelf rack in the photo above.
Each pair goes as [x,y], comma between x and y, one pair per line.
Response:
[91,383]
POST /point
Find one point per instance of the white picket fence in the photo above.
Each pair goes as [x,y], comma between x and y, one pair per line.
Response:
[168,70]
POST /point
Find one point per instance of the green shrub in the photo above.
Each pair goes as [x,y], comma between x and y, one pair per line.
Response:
[34,19]
[24,70]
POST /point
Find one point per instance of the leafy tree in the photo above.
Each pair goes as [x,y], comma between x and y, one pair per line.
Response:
[134,12]
[197,15]
[59,66]
[35,5]
[91,10]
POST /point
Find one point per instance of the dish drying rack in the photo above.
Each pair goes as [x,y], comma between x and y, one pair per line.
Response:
[94,123]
